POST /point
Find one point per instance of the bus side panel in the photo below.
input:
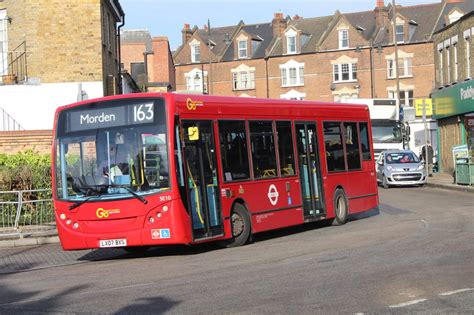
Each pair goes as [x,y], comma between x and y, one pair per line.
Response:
[269,203]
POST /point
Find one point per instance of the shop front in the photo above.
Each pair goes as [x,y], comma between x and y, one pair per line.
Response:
[454,110]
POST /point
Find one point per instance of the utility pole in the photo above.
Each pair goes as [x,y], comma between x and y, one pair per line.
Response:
[395,43]
[209,77]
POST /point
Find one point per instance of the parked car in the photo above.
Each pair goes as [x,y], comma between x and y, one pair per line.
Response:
[400,168]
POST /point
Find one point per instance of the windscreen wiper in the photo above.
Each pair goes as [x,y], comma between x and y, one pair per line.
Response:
[134,194]
[80,203]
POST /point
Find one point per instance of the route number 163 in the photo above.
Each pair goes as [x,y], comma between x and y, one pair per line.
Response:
[143,113]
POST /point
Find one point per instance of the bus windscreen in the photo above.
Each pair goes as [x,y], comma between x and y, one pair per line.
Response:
[112,149]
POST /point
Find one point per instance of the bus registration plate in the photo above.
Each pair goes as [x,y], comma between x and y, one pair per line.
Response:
[113,243]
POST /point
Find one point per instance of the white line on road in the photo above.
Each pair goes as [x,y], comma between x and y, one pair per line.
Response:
[455,292]
[407,303]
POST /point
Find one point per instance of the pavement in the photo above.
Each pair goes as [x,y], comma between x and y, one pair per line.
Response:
[437,180]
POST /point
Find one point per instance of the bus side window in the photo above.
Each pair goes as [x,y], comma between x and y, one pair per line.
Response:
[364,142]
[333,145]
[285,148]
[263,149]
[352,146]
[234,151]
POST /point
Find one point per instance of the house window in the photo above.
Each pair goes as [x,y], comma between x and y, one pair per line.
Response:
[399,29]
[243,80]
[343,39]
[195,53]
[448,65]
[292,73]
[195,80]
[293,95]
[291,44]
[345,72]
[242,49]
[406,97]
[405,66]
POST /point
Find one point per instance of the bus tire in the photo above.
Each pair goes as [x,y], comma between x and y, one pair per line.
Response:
[239,225]
[341,208]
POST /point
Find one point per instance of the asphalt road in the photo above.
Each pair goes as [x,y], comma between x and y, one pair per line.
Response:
[416,254]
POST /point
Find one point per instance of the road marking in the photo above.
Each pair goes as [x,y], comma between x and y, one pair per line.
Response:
[455,292]
[407,303]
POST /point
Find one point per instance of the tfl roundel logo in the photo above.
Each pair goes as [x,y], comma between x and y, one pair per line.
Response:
[273,194]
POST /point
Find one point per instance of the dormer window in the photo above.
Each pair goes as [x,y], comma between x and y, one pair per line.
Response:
[291,44]
[195,51]
[400,33]
[454,16]
[242,49]
[290,37]
[343,39]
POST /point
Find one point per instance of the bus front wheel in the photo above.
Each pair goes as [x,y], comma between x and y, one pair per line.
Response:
[341,208]
[240,226]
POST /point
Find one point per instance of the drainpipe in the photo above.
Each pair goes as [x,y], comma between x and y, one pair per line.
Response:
[372,87]
[119,55]
[266,76]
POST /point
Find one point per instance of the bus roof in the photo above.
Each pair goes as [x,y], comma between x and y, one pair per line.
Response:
[199,104]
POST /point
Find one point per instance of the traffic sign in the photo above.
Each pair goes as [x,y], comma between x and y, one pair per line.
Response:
[428,106]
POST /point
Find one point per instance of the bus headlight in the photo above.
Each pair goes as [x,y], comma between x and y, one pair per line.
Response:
[62,216]
[75,226]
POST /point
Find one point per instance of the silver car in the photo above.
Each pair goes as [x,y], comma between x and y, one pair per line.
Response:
[400,168]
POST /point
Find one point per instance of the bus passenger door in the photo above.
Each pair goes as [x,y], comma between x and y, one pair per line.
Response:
[201,173]
[309,169]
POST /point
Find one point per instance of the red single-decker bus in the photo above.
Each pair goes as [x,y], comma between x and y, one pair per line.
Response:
[143,170]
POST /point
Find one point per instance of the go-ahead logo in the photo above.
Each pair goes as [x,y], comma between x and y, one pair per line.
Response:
[104,214]
[273,194]
[192,105]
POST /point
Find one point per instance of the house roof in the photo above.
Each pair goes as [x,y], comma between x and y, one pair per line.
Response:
[261,33]
[218,37]
[423,21]
[466,6]
[136,36]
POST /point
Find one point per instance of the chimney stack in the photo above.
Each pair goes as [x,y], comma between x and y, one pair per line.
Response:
[187,33]
[278,24]
[381,14]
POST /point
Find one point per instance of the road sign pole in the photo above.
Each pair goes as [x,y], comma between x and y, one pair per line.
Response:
[424,105]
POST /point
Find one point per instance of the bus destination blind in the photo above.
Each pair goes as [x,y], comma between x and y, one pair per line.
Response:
[110,117]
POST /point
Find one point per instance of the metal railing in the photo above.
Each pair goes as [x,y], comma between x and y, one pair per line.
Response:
[8,123]
[18,64]
[26,213]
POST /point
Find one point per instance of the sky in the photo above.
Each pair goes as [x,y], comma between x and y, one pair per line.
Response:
[167,17]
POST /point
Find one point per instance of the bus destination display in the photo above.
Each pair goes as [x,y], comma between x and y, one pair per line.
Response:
[110,117]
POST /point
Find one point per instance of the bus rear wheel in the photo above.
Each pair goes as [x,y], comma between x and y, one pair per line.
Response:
[341,208]
[240,226]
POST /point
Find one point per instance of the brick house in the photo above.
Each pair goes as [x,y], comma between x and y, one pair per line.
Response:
[328,58]
[54,52]
[323,58]
[453,95]
[148,60]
